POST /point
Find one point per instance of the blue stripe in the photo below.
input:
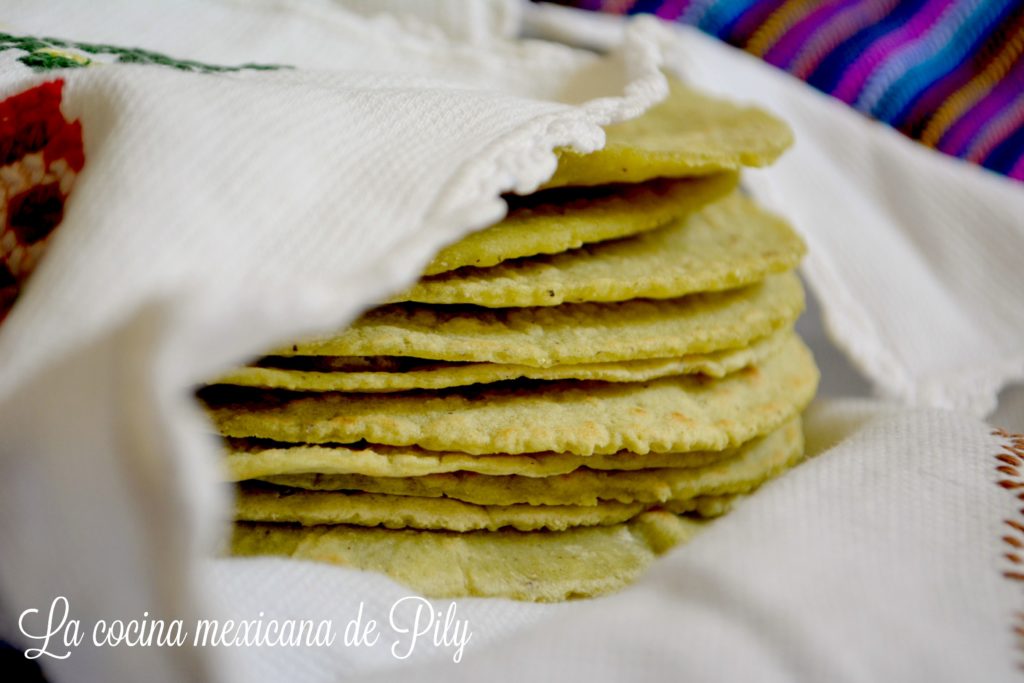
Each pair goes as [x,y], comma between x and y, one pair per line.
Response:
[900,95]
[828,74]
[724,14]
[646,7]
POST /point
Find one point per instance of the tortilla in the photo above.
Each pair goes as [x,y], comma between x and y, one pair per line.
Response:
[672,414]
[753,464]
[558,220]
[543,566]
[418,374]
[688,134]
[570,333]
[727,244]
[257,459]
[269,504]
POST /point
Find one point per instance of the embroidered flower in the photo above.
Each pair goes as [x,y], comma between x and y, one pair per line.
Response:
[40,157]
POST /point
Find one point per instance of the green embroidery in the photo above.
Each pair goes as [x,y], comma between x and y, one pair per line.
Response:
[45,54]
[44,61]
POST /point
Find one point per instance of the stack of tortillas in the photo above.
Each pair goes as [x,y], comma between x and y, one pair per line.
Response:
[562,396]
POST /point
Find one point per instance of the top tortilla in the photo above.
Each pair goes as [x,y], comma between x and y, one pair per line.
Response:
[688,134]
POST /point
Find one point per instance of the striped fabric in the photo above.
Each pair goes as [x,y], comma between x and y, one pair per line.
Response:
[949,73]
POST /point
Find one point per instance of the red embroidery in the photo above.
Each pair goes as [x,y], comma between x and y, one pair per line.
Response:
[40,157]
[1009,464]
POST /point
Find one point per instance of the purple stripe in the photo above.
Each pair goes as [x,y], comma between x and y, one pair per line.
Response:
[846,23]
[782,52]
[997,130]
[1017,171]
[962,133]
[671,9]
[857,73]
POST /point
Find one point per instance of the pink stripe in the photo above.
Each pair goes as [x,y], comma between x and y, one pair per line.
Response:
[781,53]
[997,131]
[1018,169]
[857,73]
[844,25]
[970,123]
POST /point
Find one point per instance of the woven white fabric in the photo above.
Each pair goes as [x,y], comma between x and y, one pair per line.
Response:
[219,214]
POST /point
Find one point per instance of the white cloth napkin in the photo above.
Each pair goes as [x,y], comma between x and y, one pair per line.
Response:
[218,215]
